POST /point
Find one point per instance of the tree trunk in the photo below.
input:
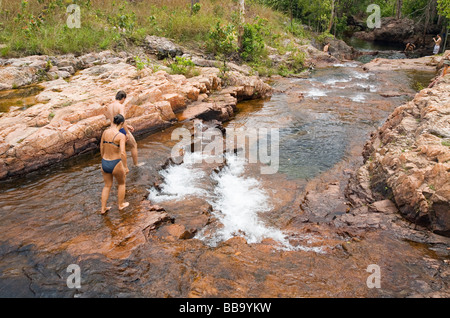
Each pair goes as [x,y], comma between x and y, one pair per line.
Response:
[241,22]
[399,9]
[332,16]
[446,40]
[427,21]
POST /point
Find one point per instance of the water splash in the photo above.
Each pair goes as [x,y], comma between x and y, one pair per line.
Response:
[359,98]
[180,181]
[237,201]
[315,93]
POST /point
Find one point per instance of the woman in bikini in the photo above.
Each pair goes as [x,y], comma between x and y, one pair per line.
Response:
[114,162]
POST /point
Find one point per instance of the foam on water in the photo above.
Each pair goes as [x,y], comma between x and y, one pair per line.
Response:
[315,93]
[333,81]
[237,201]
[360,75]
[359,98]
[372,88]
[347,64]
[179,181]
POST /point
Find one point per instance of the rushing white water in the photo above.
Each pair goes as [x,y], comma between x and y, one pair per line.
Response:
[359,98]
[347,64]
[360,75]
[372,88]
[333,81]
[179,181]
[315,93]
[237,201]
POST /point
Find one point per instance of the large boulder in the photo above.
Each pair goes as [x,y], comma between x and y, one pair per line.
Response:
[392,30]
[162,47]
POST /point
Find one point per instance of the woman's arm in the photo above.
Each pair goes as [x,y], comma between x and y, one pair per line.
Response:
[101,145]
[123,152]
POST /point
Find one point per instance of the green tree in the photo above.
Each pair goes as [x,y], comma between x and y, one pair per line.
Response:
[223,42]
[444,8]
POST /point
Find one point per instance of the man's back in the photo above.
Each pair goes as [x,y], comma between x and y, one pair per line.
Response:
[114,109]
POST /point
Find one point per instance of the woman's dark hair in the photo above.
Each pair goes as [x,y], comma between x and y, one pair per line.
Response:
[118,119]
[121,95]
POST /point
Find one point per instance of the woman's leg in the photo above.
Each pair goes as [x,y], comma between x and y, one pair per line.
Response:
[120,175]
[108,178]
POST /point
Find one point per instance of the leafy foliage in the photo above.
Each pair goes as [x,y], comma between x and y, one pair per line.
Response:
[183,66]
[253,39]
[444,8]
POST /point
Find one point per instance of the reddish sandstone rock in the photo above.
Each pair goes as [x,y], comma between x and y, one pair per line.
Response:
[70,116]
[408,160]
[177,102]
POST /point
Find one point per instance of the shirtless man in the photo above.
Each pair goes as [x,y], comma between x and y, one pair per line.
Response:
[437,46]
[327,48]
[118,107]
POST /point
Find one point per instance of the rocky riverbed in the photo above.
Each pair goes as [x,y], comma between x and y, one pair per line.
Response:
[316,235]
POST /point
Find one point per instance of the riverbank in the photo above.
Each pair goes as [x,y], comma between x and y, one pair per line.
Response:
[68,118]
[407,160]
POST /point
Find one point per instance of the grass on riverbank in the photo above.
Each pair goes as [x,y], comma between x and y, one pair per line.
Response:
[40,26]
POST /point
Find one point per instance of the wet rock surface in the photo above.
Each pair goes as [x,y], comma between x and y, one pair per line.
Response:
[427,64]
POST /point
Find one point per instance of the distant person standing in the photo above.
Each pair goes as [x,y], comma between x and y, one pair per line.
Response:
[437,44]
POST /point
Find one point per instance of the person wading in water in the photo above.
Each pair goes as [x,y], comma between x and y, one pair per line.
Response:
[114,162]
[118,107]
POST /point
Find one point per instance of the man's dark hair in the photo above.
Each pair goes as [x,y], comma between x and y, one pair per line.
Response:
[121,95]
[118,119]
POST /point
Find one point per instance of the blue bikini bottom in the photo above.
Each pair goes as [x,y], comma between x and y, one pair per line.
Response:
[109,165]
